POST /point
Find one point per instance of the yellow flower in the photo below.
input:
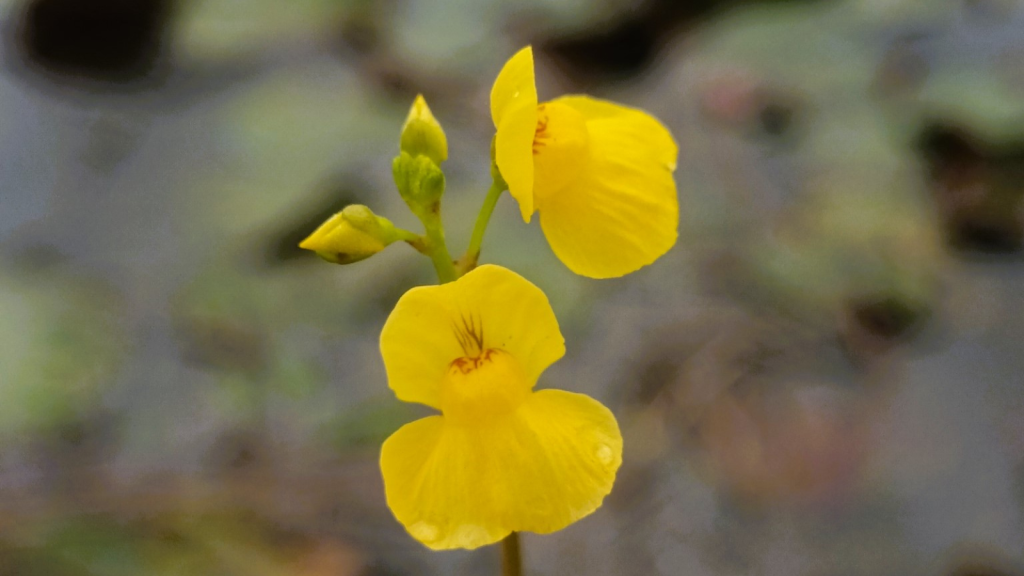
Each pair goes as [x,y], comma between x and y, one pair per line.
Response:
[501,457]
[599,174]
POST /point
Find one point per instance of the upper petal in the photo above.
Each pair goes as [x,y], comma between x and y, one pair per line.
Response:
[426,331]
[515,316]
[623,212]
[640,128]
[539,470]
[561,149]
[514,111]
[515,86]
[417,344]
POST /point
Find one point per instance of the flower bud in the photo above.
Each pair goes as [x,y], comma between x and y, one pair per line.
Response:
[353,234]
[420,182]
[422,134]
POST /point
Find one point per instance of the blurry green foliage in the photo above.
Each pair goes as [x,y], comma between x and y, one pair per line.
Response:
[833,207]
[368,424]
[209,543]
[61,345]
[979,98]
[222,29]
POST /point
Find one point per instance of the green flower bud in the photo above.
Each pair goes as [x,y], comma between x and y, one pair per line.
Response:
[353,234]
[420,182]
[422,134]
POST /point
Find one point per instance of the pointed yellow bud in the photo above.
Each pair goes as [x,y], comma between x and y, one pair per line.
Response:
[353,234]
[422,134]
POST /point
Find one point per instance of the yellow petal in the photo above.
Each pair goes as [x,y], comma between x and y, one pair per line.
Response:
[515,86]
[514,111]
[428,330]
[417,344]
[547,465]
[561,149]
[646,129]
[623,213]
[489,386]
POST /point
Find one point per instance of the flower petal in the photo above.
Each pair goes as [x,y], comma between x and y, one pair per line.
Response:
[561,149]
[516,317]
[515,86]
[418,345]
[514,111]
[623,213]
[549,464]
[421,336]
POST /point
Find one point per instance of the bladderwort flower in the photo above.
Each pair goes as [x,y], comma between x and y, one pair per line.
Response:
[599,174]
[500,457]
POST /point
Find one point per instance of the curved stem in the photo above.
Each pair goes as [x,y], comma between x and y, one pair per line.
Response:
[484,218]
[472,255]
[419,243]
[511,556]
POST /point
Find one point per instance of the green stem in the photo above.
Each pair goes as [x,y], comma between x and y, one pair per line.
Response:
[408,236]
[472,255]
[419,243]
[511,556]
[438,251]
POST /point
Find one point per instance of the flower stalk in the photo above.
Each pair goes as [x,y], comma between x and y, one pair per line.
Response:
[437,249]
[511,556]
[470,259]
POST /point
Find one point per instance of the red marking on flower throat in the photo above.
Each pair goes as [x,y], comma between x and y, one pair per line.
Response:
[470,335]
[541,134]
[467,365]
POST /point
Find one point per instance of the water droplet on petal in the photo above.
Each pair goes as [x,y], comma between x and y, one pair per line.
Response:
[604,454]
[470,535]
[424,531]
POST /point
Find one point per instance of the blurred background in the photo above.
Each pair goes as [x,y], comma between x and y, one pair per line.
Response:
[824,377]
